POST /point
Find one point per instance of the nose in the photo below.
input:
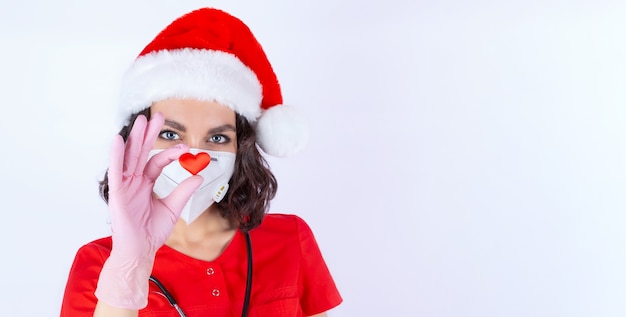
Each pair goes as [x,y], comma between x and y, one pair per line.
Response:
[195,141]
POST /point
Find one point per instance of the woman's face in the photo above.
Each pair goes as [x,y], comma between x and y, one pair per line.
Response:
[198,124]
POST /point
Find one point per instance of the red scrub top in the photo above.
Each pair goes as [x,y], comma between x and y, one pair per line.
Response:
[290,277]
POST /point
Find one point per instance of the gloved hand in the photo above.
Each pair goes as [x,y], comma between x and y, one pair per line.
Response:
[141,222]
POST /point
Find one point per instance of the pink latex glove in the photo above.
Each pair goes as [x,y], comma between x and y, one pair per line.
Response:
[141,222]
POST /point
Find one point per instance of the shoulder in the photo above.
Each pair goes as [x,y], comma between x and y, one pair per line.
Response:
[283,232]
[79,298]
[99,248]
[281,220]
[282,224]
[102,244]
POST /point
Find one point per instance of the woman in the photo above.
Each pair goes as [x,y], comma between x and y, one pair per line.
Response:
[188,190]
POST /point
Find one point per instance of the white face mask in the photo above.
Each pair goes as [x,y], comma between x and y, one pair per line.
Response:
[216,176]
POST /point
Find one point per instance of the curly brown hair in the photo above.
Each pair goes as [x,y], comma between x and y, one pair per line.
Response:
[252,186]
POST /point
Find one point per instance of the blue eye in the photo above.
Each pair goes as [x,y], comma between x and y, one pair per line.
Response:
[219,138]
[169,135]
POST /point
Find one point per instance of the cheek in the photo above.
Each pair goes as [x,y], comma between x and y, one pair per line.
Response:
[226,147]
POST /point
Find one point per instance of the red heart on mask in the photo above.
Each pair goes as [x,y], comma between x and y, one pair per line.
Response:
[194,163]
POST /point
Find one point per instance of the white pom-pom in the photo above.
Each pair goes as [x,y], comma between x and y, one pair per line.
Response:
[281,131]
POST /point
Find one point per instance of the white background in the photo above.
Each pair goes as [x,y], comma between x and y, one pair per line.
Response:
[468,158]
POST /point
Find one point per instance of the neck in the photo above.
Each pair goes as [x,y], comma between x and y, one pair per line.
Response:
[205,238]
[209,224]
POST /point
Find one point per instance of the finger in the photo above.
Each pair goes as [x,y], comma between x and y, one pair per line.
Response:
[133,145]
[176,200]
[156,163]
[116,163]
[152,131]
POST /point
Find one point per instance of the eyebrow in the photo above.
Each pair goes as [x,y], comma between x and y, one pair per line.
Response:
[175,125]
[219,129]
[222,128]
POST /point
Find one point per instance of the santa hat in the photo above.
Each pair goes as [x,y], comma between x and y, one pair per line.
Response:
[210,55]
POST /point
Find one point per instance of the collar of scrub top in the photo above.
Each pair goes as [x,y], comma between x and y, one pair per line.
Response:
[246,300]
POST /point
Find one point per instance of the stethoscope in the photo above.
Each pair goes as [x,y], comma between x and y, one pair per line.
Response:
[246,300]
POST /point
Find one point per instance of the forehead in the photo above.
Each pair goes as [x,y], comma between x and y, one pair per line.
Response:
[192,111]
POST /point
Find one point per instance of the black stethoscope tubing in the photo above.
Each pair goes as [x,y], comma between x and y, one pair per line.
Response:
[246,300]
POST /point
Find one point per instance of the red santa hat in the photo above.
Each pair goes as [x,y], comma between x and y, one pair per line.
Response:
[210,55]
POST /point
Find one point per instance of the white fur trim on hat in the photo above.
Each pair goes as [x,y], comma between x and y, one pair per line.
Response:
[191,73]
[281,131]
